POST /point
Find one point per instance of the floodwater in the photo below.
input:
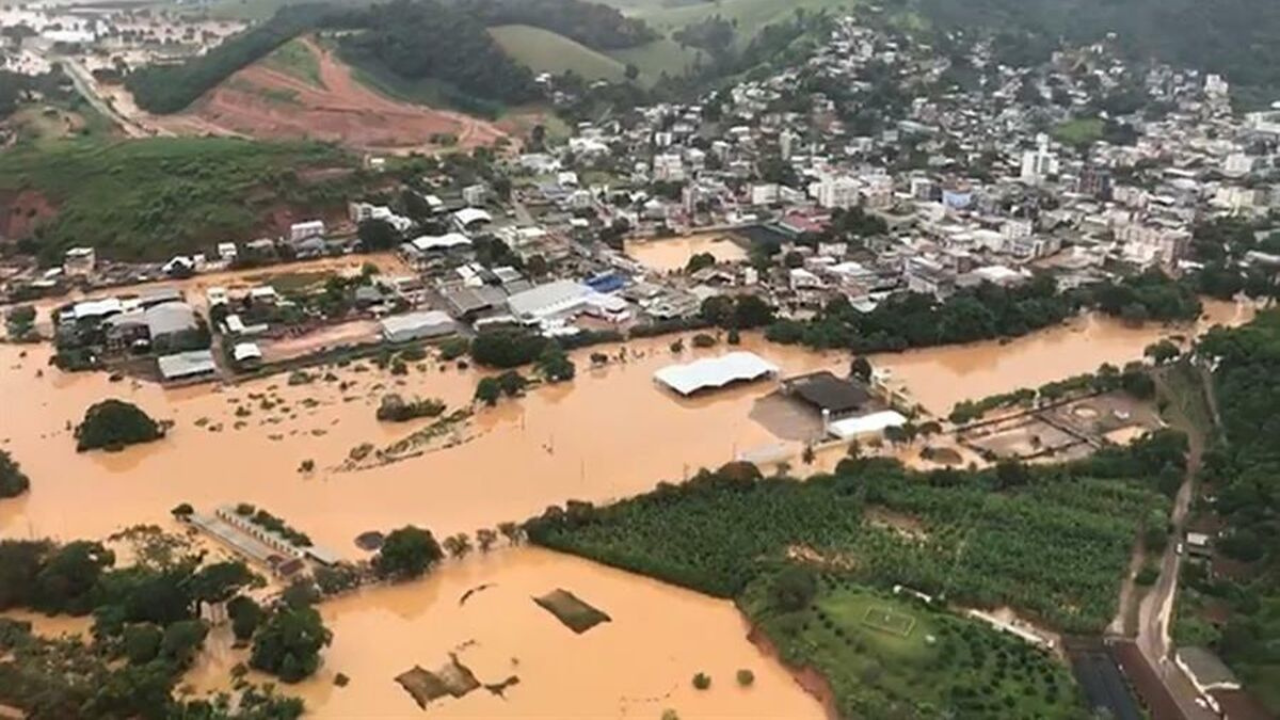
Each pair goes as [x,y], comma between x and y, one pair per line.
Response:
[609,434]
[637,665]
[938,378]
[672,254]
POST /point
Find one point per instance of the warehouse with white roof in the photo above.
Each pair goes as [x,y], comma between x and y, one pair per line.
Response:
[715,373]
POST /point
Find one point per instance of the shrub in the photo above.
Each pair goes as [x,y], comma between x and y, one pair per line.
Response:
[13,482]
[702,681]
[746,678]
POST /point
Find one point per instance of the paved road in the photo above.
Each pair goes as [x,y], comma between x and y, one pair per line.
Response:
[88,89]
[1156,609]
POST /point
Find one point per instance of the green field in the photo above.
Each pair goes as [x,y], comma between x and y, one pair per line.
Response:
[1081,131]
[658,57]
[296,60]
[544,51]
[924,660]
[151,199]
[751,15]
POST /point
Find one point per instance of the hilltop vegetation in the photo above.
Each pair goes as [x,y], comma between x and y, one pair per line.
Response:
[413,41]
[1243,472]
[1232,37]
[150,199]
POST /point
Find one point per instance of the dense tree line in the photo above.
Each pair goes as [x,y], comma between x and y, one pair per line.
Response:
[908,320]
[427,39]
[1151,295]
[593,24]
[1052,542]
[1243,468]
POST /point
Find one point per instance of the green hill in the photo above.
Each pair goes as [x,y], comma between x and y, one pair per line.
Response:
[751,15]
[545,51]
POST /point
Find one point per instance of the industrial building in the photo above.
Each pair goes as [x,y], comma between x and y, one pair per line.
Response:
[714,373]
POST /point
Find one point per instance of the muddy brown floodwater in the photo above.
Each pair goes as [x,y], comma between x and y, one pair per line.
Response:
[636,665]
[609,434]
[668,254]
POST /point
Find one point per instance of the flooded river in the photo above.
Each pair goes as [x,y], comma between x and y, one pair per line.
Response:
[611,433]
[637,665]
[671,254]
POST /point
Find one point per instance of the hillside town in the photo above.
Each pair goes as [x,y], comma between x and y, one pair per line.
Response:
[982,174]
[816,210]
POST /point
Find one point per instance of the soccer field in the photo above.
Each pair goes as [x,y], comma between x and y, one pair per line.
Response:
[888,621]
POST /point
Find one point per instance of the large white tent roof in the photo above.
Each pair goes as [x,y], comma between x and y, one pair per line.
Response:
[714,372]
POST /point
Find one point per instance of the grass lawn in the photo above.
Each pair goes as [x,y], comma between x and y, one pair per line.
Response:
[751,15]
[1080,131]
[545,51]
[653,59]
[295,59]
[889,656]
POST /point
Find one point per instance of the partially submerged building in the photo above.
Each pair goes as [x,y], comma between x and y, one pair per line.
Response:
[715,373]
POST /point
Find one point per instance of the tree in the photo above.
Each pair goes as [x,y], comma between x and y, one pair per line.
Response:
[246,614]
[512,383]
[458,546]
[485,538]
[793,588]
[114,424]
[69,576]
[555,365]
[1162,352]
[698,261]
[632,72]
[488,391]
[860,368]
[13,482]
[702,681]
[289,644]
[377,235]
[895,434]
[511,531]
[219,582]
[182,640]
[1010,474]
[407,553]
[141,643]
[745,677]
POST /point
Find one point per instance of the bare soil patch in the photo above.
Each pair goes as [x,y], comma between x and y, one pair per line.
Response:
[265,103]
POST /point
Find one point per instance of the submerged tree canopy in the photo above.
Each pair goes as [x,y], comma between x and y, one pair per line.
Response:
[115,424]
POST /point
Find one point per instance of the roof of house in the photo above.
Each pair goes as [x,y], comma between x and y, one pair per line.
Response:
[187,364]
[551,297]
[465,300]
[411,323]
[448,241]
[1240,705]
[825,391]
[246,351]
[170,317]
[97,308]
[866,424]
[714,372]
[469,215]
[1206,669]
